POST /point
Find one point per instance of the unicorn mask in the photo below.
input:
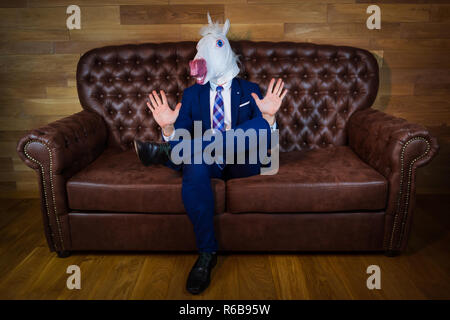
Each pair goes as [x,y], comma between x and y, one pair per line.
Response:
[214,61]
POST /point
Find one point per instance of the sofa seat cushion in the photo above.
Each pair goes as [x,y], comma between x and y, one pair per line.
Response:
[117,181]
[320,180]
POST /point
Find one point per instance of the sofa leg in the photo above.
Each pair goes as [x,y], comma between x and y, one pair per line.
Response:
[63,254]
[391,253]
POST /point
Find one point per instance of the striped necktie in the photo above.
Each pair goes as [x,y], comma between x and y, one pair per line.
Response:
[218,111]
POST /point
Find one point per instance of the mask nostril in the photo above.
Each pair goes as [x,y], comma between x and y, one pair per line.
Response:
[197,67]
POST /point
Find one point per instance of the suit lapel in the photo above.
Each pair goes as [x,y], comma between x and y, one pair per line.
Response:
[236,93]
[205,107]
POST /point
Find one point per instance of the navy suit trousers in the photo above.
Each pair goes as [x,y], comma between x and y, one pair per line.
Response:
[197,193]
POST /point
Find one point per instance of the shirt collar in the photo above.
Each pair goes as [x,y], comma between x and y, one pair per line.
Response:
[226,85]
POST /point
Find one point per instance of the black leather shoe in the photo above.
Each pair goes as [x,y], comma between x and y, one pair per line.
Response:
[200,275]
[152,152]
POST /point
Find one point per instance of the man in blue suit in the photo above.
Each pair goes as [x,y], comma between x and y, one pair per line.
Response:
[219,101]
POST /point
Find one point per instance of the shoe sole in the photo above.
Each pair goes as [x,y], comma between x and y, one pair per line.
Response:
[136,149]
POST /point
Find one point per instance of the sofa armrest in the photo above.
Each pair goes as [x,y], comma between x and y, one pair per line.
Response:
[56,152]
[71,143]
[395,148]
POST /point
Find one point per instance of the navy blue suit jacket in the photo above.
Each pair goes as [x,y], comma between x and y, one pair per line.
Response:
[195,105]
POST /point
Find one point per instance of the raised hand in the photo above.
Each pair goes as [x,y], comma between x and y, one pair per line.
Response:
[271,103]
[161,111]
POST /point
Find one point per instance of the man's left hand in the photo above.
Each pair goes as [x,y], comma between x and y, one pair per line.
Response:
[271,103]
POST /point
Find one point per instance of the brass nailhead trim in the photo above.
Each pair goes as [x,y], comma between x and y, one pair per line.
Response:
[45,191]
[394,228]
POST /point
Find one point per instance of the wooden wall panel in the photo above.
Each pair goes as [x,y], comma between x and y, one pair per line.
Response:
[26,47]
[417,59]
[267,2]
[13,4]
[38,57]
[411,44]
[300,31]
[100,17]
[129,33]
[43,18]
[169,14]
[82,46]
[12,64]
[256,31]
[299,12]
[17,34]
[87,3]
[440,13]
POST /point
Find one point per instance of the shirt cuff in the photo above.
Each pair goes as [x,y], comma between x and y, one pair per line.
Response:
[169,138]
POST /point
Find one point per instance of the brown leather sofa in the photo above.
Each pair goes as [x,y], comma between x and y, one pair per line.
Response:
[347,172]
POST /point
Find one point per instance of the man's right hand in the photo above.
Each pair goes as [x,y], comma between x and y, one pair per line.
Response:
[162,113]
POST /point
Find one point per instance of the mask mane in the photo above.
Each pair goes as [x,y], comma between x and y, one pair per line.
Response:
[213,28]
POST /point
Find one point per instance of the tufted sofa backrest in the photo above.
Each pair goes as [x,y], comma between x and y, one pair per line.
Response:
[326,85]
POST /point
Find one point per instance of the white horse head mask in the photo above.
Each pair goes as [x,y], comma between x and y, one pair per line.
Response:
[214,61]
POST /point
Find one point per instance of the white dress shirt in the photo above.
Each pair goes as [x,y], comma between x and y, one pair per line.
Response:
[226,95]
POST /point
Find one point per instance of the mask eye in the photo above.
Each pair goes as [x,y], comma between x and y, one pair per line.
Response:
[219,43]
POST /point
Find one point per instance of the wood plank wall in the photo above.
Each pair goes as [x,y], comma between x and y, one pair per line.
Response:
[38,57]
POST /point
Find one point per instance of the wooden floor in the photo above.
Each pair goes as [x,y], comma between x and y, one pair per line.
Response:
[29,271]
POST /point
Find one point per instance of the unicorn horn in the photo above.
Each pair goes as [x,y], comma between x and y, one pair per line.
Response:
[209,19]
